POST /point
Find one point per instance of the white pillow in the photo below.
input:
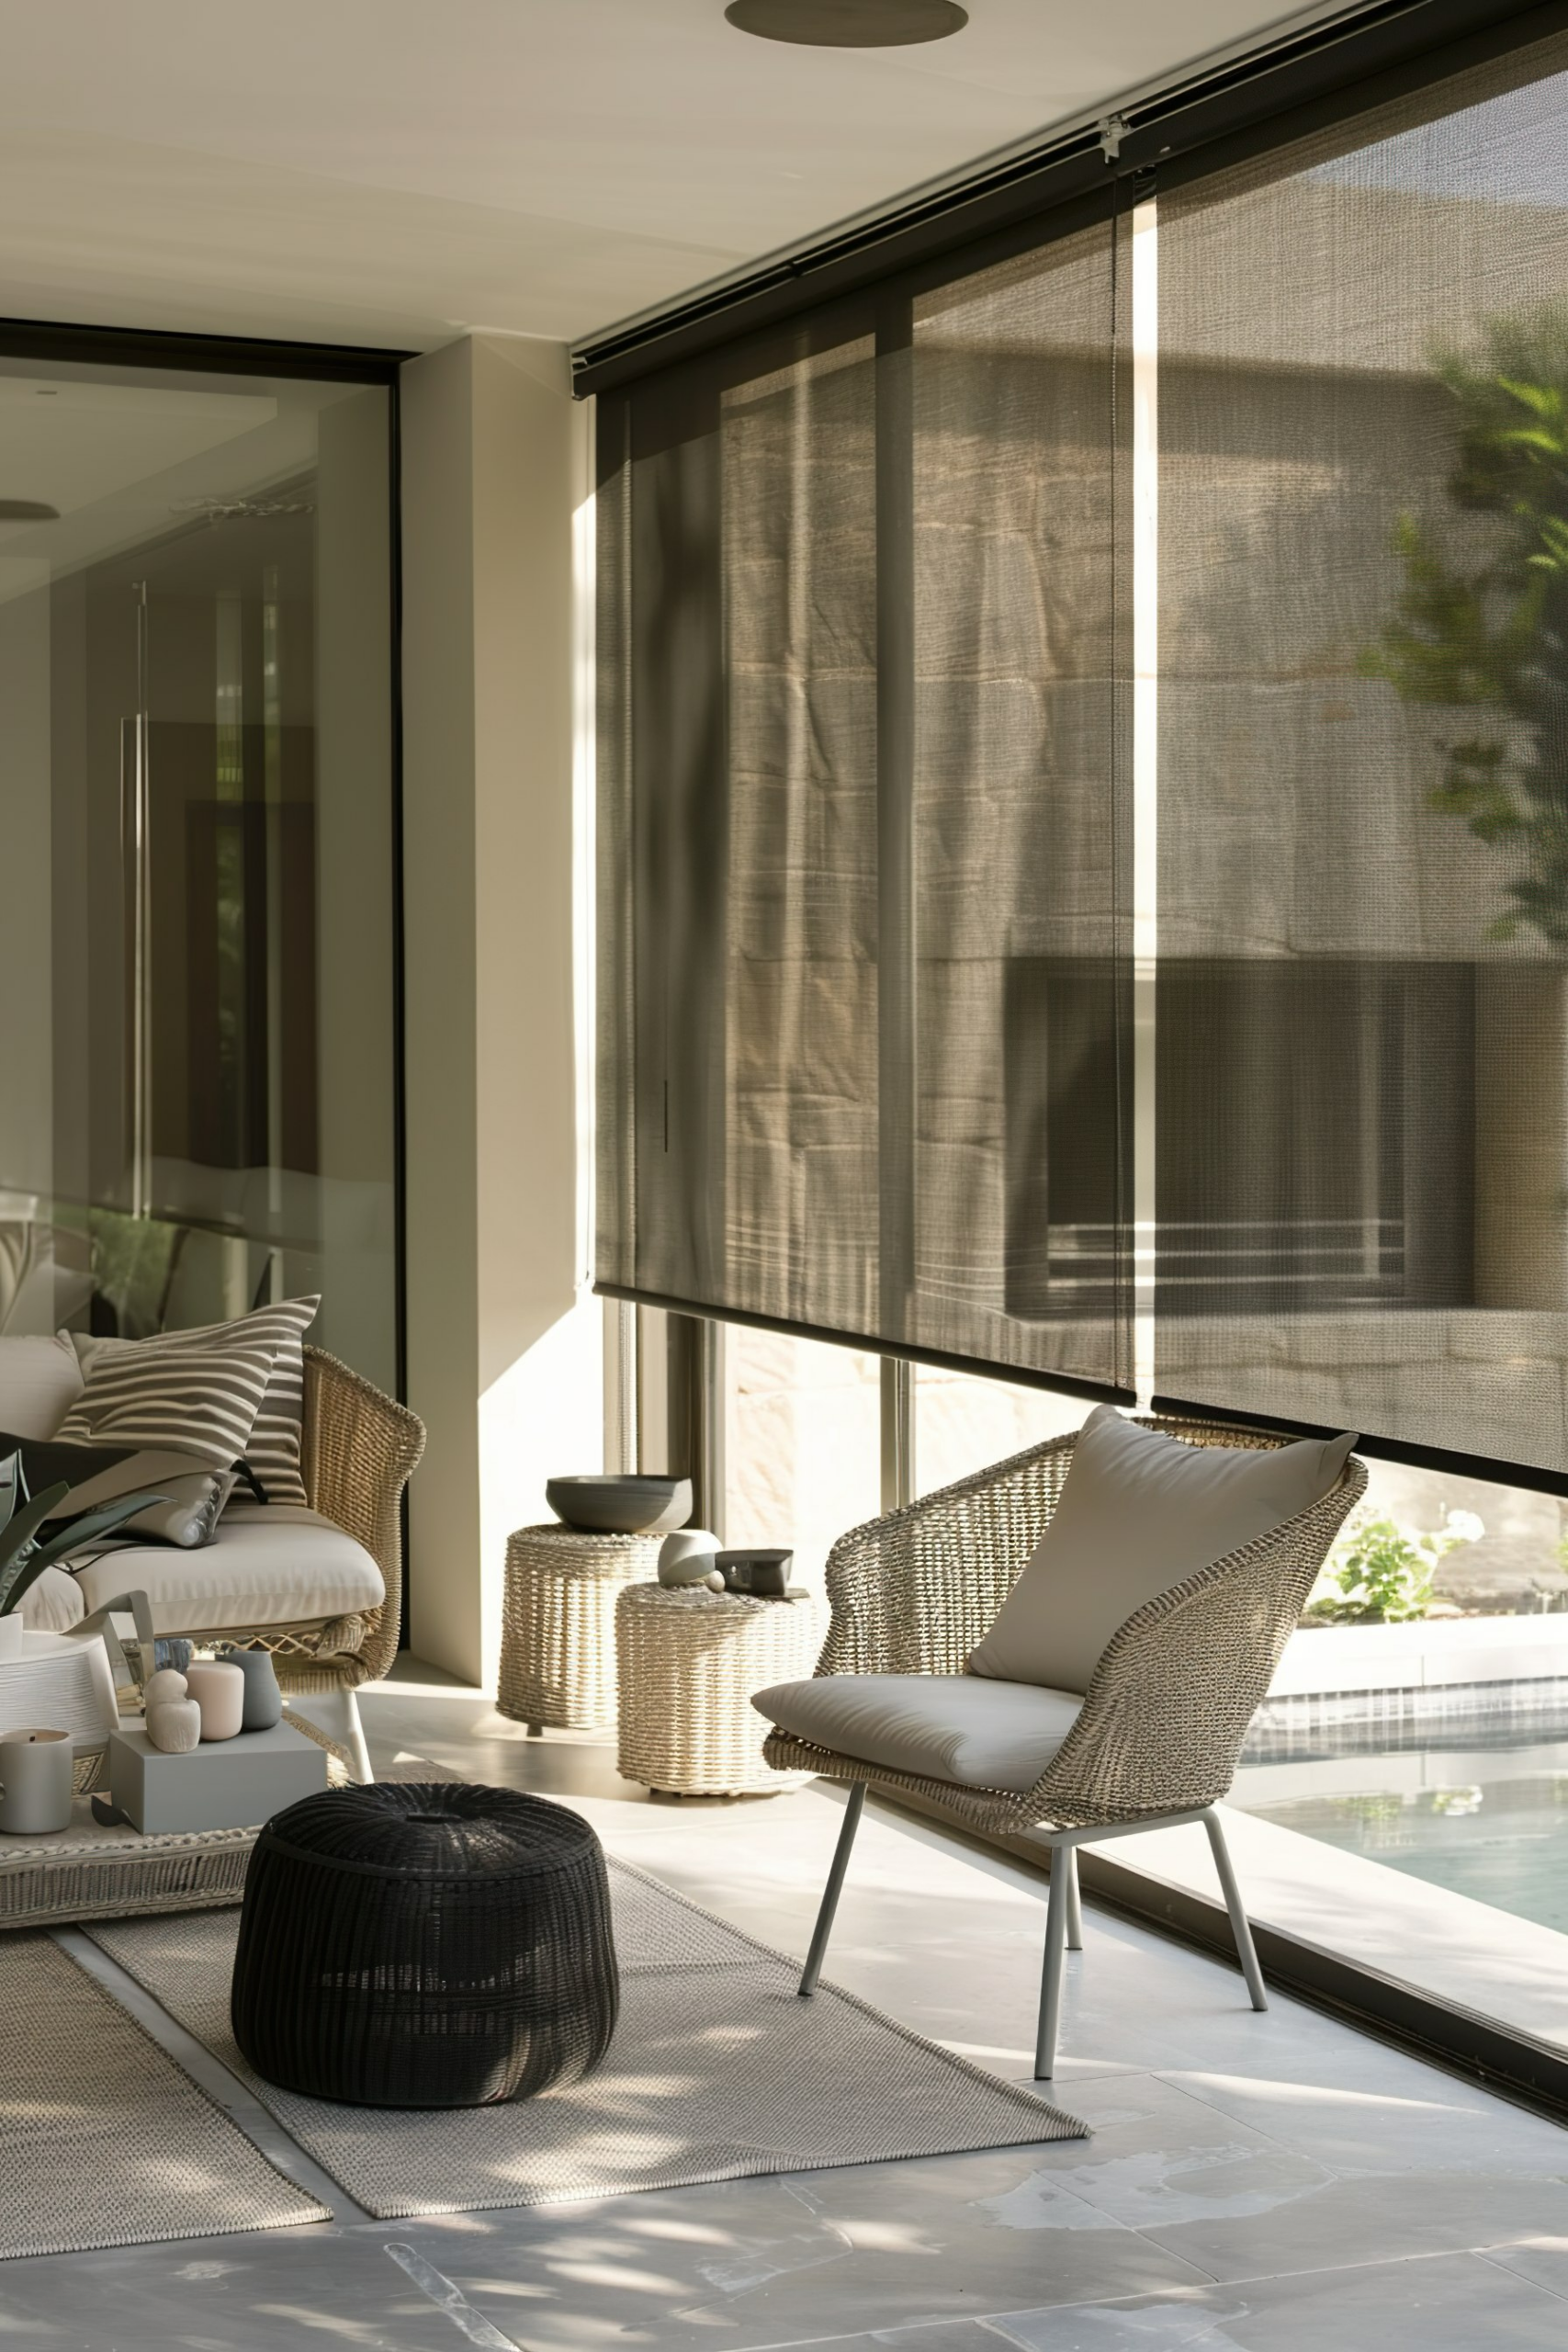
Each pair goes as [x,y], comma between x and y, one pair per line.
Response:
[40,1382]
[1139,1511]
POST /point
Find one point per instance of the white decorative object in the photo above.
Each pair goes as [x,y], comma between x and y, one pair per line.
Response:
[219,1691]
[61,1679]
[165,1684]
[13,1634]
[174,1725]
[687,1557]
[233,1786]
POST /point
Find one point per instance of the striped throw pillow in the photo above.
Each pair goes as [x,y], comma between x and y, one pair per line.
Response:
[224,1391]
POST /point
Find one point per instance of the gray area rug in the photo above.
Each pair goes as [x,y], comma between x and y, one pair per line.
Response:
[716,2071]
[104,2140]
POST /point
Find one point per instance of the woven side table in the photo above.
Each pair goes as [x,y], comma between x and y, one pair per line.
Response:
[558,1636]
[688,1661]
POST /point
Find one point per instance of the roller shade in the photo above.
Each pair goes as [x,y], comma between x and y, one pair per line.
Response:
[1083,746]
[865,961]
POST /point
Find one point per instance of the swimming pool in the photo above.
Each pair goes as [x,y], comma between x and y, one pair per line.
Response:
[1488,1823]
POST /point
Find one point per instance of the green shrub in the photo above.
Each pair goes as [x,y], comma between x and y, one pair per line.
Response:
[1382,1573]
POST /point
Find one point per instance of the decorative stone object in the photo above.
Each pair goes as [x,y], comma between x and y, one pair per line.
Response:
[174,1725]
[218,1689]
[688,1556]
[263,1700]
[165,1684]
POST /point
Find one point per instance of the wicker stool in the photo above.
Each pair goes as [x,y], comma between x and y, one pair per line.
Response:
[425,1944]
[688,1661]
[557,1635]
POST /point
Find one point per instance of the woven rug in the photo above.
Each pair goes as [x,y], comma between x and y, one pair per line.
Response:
[104,2140]
[716,2071]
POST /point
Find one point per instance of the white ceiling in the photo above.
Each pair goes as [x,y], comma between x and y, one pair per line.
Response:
[397,171]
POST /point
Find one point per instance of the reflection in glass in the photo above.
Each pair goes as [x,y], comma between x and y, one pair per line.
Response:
[196,1083]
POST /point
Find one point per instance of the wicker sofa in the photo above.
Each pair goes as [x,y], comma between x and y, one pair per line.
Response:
[1158,1735]
[321,1588]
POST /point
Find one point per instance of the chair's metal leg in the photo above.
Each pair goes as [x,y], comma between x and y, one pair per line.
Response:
[335,1715]
[1051,1982]
[1246,1952]
[831,1892]
[1069,1856]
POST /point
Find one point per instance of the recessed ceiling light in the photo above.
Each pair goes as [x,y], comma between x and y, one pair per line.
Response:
[848,24]
[27,510]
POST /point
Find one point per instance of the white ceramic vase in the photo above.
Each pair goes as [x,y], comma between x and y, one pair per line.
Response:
[219,1691]
[687,1557]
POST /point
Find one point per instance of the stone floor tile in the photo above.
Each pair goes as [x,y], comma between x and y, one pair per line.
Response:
[1543,2260]
[269,2291]
[781,2261]
[1381,2217]
[1398,2115]
[1448,2304]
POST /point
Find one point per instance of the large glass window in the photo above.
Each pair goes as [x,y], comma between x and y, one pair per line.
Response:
[197,1066]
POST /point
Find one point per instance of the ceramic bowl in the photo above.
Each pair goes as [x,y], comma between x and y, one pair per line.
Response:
[618,1503]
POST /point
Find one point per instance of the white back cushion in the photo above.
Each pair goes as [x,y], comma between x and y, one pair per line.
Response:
[1139,1511]
[40,1382]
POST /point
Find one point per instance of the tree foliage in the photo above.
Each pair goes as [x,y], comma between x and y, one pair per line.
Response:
[1491,640]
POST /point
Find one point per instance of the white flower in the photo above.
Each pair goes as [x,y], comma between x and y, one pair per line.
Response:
[1465,1527]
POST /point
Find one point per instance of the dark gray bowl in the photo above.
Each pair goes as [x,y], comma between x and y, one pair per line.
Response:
[616,1503]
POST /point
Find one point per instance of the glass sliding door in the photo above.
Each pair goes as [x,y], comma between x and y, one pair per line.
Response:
[197,1097]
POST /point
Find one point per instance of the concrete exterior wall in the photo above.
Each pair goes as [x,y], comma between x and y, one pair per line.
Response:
[505,1347]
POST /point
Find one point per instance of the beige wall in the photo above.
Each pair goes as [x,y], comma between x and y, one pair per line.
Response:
[504,1344]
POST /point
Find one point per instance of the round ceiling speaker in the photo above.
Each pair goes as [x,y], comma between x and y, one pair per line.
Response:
[848,24]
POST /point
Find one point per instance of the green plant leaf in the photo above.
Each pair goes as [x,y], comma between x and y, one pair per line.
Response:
[94,1523]
[16,1541]
[30,1560]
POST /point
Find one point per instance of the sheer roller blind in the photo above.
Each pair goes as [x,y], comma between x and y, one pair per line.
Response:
[1362,1002]
[862,961]
[1084,765]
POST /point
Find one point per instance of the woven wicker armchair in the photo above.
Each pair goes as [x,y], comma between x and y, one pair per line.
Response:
[360,1449]
[1161,1725]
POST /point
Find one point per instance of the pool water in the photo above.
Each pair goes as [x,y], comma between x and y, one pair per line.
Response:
[1491,1825]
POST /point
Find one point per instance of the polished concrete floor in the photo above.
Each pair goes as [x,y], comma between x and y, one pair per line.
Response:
[1274,2183]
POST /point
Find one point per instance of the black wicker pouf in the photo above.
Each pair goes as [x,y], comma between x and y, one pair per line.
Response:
[425,1944]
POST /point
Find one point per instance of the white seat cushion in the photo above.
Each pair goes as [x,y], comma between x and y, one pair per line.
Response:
[276,1564]
[1139,1512]
[942,1727]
